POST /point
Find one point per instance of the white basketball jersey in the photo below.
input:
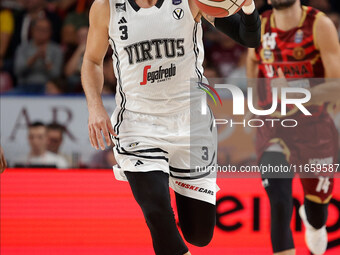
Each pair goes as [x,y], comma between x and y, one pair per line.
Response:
[156,52]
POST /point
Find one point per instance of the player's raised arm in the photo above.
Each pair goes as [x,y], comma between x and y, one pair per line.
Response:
[92,73]
[243,27]
[327,41]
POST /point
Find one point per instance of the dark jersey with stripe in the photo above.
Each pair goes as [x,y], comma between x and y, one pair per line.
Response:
[297,54]
[294,51]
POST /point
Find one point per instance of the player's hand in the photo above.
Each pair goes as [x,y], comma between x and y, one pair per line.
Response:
[3,163]
[248,2]
[99,125]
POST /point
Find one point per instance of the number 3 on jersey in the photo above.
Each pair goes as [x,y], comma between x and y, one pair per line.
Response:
[124,35]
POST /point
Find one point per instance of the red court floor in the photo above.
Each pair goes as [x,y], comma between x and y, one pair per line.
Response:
[88,212]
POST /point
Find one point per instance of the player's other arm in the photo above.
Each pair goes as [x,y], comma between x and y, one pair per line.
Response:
[244,28]
[92,74]
[328,43]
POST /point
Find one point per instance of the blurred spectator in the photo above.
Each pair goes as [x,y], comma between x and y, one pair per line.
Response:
[73,22]
[38,60]
[38,155]
[110,81]
[55,87]
[36,9]
[108,89]
[78,6]
[55,134]
[224,55]
[6,83]
[103,159]
[322,5]
[73,65]
[238,75]
[6,32]
[210,71]
[55,137]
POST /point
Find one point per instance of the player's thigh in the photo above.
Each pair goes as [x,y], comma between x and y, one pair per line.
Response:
[152,186]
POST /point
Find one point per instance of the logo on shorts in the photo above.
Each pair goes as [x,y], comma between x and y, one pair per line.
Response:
[159,75]
[195,188]
[131,145]
[120,7]
[138,163]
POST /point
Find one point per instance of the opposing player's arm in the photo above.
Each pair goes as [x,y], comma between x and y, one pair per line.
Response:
[244,28]
[326,39]
[92,73]
[252,64]
[252,73]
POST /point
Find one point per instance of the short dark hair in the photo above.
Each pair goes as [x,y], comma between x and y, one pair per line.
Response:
[36,124]
[56,126]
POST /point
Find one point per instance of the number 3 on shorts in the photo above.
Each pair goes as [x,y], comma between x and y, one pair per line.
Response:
[205,155]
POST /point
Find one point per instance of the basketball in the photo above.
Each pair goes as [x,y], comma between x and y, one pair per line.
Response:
[220,8]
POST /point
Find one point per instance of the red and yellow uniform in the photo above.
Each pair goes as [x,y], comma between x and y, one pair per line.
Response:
[315,139]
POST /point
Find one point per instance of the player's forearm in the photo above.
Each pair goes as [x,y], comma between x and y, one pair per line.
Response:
[326,92]
[243,28]
[92,81]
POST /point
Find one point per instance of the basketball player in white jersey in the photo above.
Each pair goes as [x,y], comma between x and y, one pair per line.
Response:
[157,51]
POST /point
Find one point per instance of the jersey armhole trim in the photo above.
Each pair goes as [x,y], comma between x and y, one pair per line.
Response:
[314,29]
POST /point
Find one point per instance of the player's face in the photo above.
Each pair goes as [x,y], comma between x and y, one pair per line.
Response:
[38,139]
[55,139]
[281,4]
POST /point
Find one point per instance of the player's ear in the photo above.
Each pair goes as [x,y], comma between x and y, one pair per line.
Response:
[270,2]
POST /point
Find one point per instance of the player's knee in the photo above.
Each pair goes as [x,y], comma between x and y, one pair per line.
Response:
[198,239]
[156,212]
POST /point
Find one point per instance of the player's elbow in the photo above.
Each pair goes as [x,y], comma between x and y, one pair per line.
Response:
[254,42]
[253,39]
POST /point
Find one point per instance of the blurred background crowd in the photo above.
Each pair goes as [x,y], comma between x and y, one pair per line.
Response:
[42,43]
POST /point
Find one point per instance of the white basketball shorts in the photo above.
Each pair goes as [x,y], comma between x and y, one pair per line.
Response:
[183,145]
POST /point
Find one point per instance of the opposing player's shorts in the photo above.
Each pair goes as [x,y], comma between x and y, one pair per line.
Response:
[183,145]
[311,149]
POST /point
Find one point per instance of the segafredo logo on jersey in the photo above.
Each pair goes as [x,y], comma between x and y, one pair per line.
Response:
[159,75]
